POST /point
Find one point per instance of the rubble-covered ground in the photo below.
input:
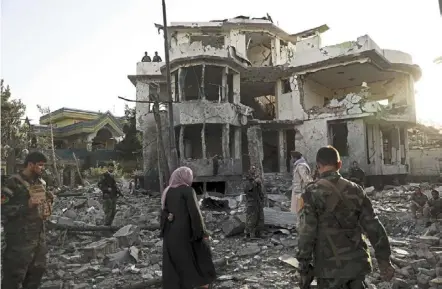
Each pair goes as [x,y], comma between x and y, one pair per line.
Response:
[105,259]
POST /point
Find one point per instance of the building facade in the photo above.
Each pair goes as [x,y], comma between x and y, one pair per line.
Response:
[80,137]
[247,92]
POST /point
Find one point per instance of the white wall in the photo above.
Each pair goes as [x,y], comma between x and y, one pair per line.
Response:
[426,162]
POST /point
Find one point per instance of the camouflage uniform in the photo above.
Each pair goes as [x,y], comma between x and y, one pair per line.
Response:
[357,175]
[334,215]
[421,200]
[108,186]
[255,205]
[25,252]
[434,208]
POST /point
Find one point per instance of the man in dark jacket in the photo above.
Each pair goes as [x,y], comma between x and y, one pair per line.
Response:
[356,174]
[108,186]
[333,216]
[255,204]
[25,205]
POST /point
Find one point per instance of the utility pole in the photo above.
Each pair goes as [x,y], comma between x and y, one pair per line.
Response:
[172,143]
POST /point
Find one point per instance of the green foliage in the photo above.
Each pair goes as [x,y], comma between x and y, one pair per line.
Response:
[130,148]
[12,113]
[96,172]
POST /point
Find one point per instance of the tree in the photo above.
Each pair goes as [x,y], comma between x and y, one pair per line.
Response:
[130,147]
[14,134]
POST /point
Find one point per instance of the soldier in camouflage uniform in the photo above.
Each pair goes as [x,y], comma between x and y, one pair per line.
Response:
[108,186]
[333,216]
[26,204]
[255,204]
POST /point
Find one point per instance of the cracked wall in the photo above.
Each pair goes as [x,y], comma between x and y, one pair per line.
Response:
[314,134]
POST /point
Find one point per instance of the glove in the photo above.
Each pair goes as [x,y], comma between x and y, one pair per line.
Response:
[387,270]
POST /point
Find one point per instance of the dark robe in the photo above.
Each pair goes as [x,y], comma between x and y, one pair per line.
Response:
[187,259]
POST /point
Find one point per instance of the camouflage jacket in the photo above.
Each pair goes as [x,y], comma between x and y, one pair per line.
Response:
[254,193]
[20,220]
[421,199]
[357,175]
[108,185]
[331,223]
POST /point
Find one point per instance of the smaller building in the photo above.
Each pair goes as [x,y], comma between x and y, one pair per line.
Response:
[88,136]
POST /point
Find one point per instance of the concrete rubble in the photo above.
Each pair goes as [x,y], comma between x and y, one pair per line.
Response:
[128,254]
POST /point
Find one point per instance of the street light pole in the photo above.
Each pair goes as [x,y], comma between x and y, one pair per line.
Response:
[172,143]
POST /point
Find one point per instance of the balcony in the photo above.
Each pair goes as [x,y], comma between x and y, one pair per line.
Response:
[189,50]
[149,68]
[204,167]
[200,111]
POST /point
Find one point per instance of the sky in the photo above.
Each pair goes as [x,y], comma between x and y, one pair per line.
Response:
[78,53]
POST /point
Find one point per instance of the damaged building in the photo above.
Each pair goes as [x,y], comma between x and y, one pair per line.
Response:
[247,92]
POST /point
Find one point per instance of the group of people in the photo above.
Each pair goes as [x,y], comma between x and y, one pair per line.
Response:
[156,58]
[333,216]
[427,208]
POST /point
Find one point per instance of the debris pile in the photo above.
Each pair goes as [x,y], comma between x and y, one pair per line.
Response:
[85,254]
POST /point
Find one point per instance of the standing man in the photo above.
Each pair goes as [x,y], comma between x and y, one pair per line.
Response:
[146,58]
[156,57]
[433,207]
[301,177]
[255,204]
[25,205]
[356,174]
[417,202]
[333,216]
[108,186]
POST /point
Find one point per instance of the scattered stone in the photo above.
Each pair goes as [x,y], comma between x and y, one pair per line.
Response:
[100,249]
[233,226]
[128,235]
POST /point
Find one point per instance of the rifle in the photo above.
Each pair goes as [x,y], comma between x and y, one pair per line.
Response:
[307,279]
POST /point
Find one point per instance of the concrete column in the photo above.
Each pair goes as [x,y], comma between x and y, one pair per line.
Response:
[203,140]
[225,88]
[73,175]
[278,92]
[236,88]
[203,94]
[276,51]
[226,141]
[238,143]
[181,96]
[282,143]
[181,144]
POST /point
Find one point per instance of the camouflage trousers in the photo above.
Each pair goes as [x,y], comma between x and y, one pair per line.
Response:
[254,221]
[357,283]
[110,209]
[25,262]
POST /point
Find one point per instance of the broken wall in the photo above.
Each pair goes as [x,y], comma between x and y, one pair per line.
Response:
[426,162]
[314,134]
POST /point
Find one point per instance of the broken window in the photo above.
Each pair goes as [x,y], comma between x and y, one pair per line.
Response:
[259,48]
[270,144]
[214,140]
[192,82]
[216,41]
[175,86]
[260,96]
[286,86]
[387,145]
[230,87]
[290,139]
[339,137]
[193,142]
[402,137]
[213,88]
